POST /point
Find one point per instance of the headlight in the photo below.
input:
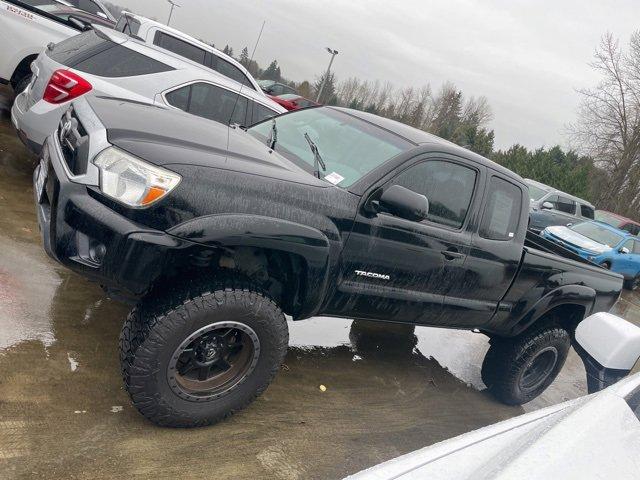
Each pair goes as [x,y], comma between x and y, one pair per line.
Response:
[132,181]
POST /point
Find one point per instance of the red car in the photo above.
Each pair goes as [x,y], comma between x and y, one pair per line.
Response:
[292,101]
[617,221]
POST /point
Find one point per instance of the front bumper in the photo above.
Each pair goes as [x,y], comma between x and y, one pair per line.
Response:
[91,239]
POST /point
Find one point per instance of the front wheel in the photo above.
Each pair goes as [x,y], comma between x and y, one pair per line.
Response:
[517,370]
[194,362]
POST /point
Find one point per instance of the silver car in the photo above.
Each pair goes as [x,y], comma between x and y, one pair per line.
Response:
[109,63]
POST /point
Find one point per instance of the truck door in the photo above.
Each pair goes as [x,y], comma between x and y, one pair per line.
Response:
[398,269]
[494,257]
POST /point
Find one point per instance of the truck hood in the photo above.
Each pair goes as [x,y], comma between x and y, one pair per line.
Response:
[569,236]
[597,436]
[167,136]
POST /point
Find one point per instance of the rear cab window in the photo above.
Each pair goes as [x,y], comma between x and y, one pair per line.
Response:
[93,54]
[501,216]
[587,212]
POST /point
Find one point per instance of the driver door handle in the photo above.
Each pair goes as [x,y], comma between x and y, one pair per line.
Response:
[451,254]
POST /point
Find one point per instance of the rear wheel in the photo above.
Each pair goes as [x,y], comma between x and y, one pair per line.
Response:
[194,362]
[517,370]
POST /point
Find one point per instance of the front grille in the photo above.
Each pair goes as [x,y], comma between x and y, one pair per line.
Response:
[74,142]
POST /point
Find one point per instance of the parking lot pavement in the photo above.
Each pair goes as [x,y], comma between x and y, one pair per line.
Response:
[64,414]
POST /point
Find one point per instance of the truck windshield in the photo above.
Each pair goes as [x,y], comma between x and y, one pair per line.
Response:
[598,233]
[351,148]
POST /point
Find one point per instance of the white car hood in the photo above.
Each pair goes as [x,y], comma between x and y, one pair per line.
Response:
[593,437]
[569,236]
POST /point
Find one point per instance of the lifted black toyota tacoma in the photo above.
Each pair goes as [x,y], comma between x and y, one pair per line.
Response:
[217,232]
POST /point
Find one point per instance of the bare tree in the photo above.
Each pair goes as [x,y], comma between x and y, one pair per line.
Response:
[608,125]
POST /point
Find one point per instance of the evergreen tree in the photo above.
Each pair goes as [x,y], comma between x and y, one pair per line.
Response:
[244,57]
[329,94]
[272,72]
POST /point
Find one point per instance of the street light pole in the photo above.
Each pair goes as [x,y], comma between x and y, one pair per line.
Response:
[326,75]
[173,4]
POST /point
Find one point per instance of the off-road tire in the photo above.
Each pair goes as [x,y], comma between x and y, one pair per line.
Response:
[152,332]
[508,359]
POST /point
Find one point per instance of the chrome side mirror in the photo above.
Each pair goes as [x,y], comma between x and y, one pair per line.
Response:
[547,206]
[624,250]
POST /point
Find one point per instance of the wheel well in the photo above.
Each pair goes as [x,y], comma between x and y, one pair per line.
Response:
[23,68]
[282,275]
[568,316]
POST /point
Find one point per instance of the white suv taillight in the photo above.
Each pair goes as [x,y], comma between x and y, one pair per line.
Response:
[64,86]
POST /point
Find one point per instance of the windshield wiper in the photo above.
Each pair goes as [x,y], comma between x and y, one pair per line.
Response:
[317,159]
[273,136]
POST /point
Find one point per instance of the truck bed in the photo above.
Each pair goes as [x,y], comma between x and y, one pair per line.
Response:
[537,242]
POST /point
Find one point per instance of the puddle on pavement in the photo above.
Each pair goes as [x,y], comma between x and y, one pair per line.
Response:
[65,414]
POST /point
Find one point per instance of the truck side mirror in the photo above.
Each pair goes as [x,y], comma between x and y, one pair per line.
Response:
[404,203]
[547,206]
[623,250]
[609,347]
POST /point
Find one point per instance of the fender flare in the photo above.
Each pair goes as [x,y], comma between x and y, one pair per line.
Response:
[578,295]
[245,230]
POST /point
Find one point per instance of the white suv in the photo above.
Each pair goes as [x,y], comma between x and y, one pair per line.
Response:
[184,46]
[109,63]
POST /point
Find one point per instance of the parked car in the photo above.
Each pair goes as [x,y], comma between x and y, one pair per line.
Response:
[271,87]
[618,221]
[597,436]
[186,47]
[292,101]
[216,232]
[554,207]
[616,250]
[28,26]
[110,63]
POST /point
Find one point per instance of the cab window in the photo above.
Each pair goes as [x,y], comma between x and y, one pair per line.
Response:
[566,205]
[587,212]
[501,215]
[448,187]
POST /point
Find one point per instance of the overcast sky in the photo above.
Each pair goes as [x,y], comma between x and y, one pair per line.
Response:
[527,57]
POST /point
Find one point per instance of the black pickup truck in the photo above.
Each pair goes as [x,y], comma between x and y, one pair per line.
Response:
[216,232]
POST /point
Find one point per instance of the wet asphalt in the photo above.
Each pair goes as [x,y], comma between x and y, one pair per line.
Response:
[65,415]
